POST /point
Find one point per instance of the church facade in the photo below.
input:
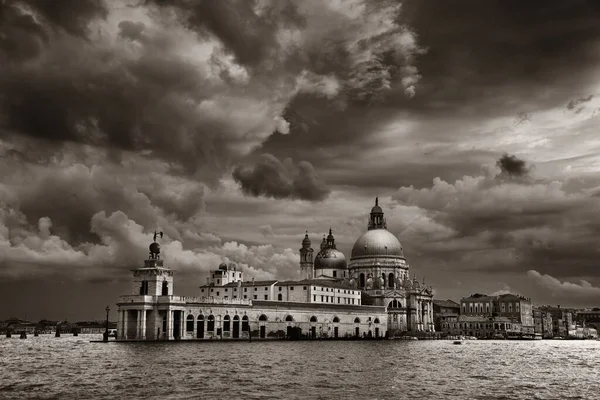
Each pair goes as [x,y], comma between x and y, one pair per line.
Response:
[372,296]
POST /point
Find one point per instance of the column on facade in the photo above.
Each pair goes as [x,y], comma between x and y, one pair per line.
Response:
[143,325]
[138,325]
[169,332]
[195,331]
[120,324]
[182,324]
[125,323]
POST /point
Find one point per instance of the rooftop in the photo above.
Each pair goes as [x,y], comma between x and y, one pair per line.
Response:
[446,303]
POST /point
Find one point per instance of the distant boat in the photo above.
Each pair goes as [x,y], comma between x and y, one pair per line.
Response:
[457,342]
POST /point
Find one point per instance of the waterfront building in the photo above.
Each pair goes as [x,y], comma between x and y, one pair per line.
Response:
[482,327]
[562,320]
[517,308]
[542,323]
[506,315]
[445,311]
[589,318]
[373,296]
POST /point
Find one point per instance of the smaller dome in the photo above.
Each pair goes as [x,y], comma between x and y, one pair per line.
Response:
[330,259]
[376,210]
[154,248]
[223,266]
[306,242]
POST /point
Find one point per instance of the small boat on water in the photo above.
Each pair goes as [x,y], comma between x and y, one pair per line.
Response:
[457,342]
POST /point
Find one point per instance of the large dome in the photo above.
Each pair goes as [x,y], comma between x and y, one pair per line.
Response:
[330,258]
[377,242]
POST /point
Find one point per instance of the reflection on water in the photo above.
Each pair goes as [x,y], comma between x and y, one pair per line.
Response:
[72,367]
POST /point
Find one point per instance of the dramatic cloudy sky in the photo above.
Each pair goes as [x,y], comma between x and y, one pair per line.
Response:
[236,126]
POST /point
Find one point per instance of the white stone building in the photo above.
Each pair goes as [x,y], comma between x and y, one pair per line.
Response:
[229,308]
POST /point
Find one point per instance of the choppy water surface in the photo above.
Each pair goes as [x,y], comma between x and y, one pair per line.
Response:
[72,367]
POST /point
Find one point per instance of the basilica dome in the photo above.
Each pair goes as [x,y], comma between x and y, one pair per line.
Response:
[377,242]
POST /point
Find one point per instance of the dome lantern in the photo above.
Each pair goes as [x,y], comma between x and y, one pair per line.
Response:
[376,219]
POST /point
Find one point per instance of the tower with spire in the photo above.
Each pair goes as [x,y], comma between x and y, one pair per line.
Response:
[306,258]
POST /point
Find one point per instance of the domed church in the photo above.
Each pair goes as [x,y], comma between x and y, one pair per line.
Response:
[379,269]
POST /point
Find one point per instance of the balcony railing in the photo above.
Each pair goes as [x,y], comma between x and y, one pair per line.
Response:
[182,299]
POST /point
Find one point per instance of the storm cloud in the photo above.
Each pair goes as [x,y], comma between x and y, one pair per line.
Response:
[273,178]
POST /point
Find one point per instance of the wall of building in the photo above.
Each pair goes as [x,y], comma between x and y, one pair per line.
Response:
[276,317]
[330,295]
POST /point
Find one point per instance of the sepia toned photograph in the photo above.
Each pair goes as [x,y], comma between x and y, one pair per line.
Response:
[300,199]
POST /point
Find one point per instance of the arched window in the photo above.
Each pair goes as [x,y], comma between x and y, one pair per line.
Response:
[279,297]
[210,326]
[262,317]
[200,327]
[336,319]
[313,319]
[245,326]
[391,281]
[226,323]
[395,304]
[165,288]
[376,320]
[289,318]
[236,318]
[189,323]
[357,320]
[362,280]
[384,280]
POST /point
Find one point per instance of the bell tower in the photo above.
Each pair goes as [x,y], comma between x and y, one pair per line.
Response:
[153,279]
[306,258]
[376,219]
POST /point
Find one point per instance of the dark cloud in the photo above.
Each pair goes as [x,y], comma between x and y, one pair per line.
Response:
[273,178]
[498,50]
[22,37]
[512,166]
[215,94]
[74,16]
[249,36]
[576,105]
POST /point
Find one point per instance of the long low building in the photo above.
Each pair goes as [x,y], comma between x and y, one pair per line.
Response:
[154,313]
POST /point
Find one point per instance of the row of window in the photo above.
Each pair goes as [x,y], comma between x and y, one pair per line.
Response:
[344,291]
[210,321]
[479,307]
[246,289]
[331,299]
[477,325]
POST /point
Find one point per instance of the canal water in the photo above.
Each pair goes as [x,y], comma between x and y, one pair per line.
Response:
[70,367]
